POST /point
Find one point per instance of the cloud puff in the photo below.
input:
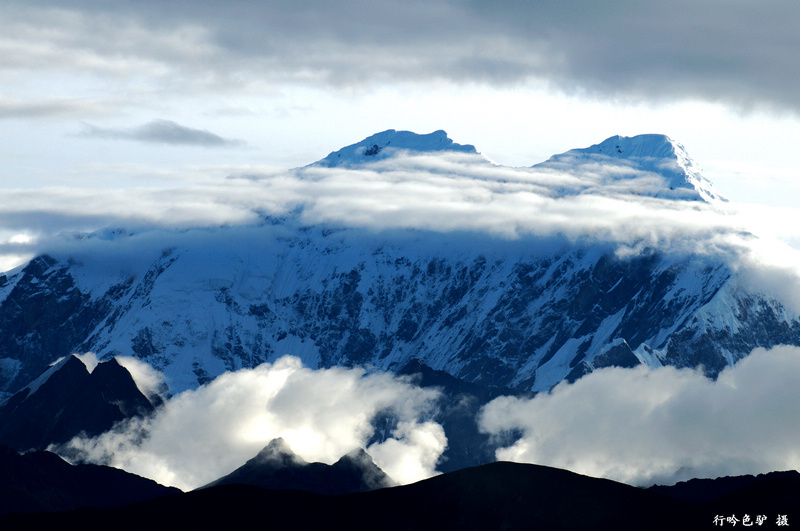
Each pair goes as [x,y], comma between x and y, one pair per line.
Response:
[201,435]
[413,451]
[645,426]
[149,381]
[162,132]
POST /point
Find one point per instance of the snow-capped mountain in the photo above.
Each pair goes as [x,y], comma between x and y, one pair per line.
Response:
[655,154]
[524,313]
[388,143]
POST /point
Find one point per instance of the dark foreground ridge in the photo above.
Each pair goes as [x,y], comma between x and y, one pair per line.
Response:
[68,400]
[277,467]
[494,496]
[37,482]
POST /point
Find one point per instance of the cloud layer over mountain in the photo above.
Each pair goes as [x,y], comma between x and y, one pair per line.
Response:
[446,192]
[600,199]
[645,426]
[640,426]
[204,434]
[165,86]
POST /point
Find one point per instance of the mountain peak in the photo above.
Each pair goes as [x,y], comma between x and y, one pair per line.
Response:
[384,144]
[278,467]
[277,453]
[654,153]
[67,400]
[647,145]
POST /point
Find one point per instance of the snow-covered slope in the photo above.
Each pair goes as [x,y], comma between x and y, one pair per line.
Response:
[657,154]
[525,313]
[388,143]
[496,312]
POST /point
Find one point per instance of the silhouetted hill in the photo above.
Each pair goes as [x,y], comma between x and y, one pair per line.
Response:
[703,490]
[42,481]
[277,467]
[67,400]
[494,496]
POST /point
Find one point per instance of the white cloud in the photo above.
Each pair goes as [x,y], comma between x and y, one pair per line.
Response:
[644,425]
[149,381]
[204,434]
[411,454]
[598,200]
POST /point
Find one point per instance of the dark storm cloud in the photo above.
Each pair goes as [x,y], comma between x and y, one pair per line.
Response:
[50,109]
[162,132]
[741,52]
[737,51]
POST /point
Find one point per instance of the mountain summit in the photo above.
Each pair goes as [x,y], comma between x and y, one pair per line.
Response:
[278,467]
[649,165]
[385,144]
[650,153]
[68,399]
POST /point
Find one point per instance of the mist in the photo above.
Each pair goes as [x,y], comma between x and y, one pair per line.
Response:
[203,434]
[643,426]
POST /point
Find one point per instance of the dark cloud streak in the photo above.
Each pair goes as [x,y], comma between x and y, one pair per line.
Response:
[13,108]
[162,132]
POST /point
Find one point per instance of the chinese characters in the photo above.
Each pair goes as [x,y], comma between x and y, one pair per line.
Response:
[748,521]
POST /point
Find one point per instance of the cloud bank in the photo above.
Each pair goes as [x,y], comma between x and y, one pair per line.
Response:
[443,193]
[597,200]
[645,426]
[19,109]
[741,52]
[640,426]
[446,192]
[201,435]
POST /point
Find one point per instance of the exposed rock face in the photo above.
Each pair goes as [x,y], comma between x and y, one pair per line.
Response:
[43,316]
[522,314]
[67,400]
